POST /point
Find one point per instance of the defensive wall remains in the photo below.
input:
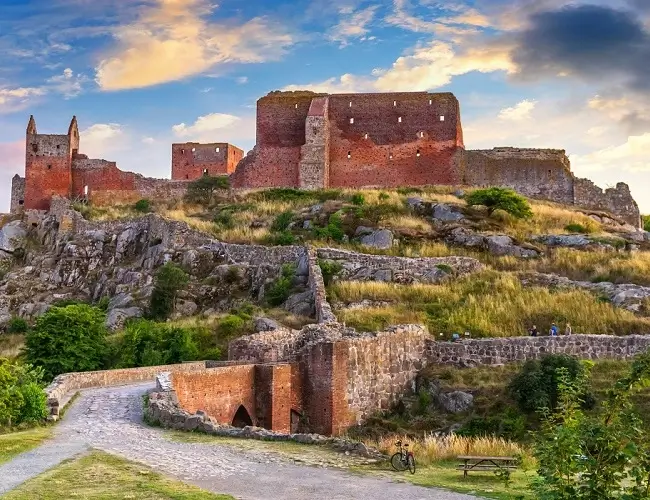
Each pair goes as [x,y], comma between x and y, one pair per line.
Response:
[309,140]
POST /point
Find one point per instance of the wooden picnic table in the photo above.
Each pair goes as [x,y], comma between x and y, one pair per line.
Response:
[485,463]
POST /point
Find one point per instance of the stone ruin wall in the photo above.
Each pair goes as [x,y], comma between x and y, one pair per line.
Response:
[17,194]
[191,160]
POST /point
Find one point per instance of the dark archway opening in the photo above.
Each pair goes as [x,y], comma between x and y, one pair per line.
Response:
[241,418]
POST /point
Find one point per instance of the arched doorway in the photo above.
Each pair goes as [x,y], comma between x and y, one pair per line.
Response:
[241,418]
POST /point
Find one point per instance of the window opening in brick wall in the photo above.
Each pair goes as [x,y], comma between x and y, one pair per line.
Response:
[21,202]
[35,148]
[399,119]
[205,171]
[394,103]
[421,134]
[296,106]
[351,121]
[58,146]
[350,103]
[349,154]
[442,118]
[216,150]
[417,153]
[182,151]
[430,102]
[187,176]
[193,149]
[390,156]
[365,136]
[49,167]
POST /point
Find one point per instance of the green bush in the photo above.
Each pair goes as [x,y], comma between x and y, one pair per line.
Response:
[329,269]
[67,339]
[202,190]
[230,326]
[536,385]
[169,280]
[281,222]
[334,229]
[383,196]
[358,199]
[280,290]
[496,198]
[576,228]
[509,424]
[225,219]
[17,325]
[146,343]
[143,206]
[646,222]
[285,238]
[22,399]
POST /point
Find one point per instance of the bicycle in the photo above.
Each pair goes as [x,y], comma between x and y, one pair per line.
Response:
[403,459]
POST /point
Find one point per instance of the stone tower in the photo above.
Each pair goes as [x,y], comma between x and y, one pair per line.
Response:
[48,164]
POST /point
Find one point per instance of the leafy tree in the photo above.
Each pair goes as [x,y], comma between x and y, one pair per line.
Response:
[585,457]
[646,222]
[202,190]
[496,198]
[67,339]
[169,280]
[143,206]
[536,385]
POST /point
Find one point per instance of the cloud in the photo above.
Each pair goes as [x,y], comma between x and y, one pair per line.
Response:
[101,139]
[204,125]
[148,140]
[241,80]
[460,20]
[425,67]
[631,156]
[586,41]
[520,111]
[15,99]
[172,39]
[353,25]
[68,84]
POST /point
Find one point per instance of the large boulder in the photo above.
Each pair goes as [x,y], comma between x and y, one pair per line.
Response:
[265,324]
[300,304]
[382,239]
[447,213]
[116,318]
[12,237]
[456,401]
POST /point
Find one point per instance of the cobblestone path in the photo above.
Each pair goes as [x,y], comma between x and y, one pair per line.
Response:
[110,419]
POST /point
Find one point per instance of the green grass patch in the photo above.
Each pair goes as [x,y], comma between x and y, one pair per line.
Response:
[15,443]
[106,477]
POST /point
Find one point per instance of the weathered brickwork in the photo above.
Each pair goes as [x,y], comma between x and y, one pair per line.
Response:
[191,160]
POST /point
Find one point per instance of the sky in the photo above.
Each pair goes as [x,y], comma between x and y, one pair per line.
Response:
[141,74]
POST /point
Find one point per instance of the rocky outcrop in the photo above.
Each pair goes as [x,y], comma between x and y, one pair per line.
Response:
[496,244]
[379,238]
[12,238]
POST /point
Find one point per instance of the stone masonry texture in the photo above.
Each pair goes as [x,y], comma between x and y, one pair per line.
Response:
[312,141]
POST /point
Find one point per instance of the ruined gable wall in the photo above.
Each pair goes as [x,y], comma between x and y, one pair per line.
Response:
[17,194]
[616,200]
[47,169]
[538,173]
[274,161]
[190,160]
[389,154]
[108,185]
[314,154]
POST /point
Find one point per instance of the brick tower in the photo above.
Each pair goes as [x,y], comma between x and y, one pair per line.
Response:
[48,164]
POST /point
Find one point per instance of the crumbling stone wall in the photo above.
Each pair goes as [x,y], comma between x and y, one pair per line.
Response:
[516,349]
[191,160]
[17,194]
[616,200]
[314,166]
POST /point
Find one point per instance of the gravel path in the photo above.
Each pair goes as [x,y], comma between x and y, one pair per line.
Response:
[110,419]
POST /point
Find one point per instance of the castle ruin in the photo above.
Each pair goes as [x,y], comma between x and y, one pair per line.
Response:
[310,141]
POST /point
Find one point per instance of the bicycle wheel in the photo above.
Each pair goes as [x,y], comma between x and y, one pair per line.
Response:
[411,464]
[397,462]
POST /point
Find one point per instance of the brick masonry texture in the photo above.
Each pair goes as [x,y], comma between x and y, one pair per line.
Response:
[312,141]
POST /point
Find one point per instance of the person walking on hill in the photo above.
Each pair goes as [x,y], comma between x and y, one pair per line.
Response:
[553,331]
[567,329]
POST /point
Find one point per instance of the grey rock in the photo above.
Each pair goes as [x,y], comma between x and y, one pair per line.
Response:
[564,240]
[383,275]
[12,237]
[265,325]
[382,239]
[465,237]
[361,230]
[314,209]
[459,193]
[307,224]
[120,301]
[414,202]
[300,304]
[456,402]
[30,310]
[116,318]
[447,213]
[185,308]
[499,244]
[192,422]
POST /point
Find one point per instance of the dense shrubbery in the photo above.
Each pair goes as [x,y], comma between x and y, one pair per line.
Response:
[202,190]
[536,385]
[67,339]
[143,206]
[495,198]
[333,230]
[329,269]
[646,222]
[22,399]
[169,280]
[280,290]
[17,325]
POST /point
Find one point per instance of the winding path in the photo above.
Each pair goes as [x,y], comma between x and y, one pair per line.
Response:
[110,419]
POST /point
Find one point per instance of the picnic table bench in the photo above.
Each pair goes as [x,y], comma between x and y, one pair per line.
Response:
[485,463]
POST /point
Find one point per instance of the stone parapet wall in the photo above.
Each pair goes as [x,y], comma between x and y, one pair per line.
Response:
[64,385]
[497,351]
[362,267]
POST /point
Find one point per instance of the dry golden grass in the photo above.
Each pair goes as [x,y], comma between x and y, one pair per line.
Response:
[489,304]
[431,449]
[407,222]
[11,345]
